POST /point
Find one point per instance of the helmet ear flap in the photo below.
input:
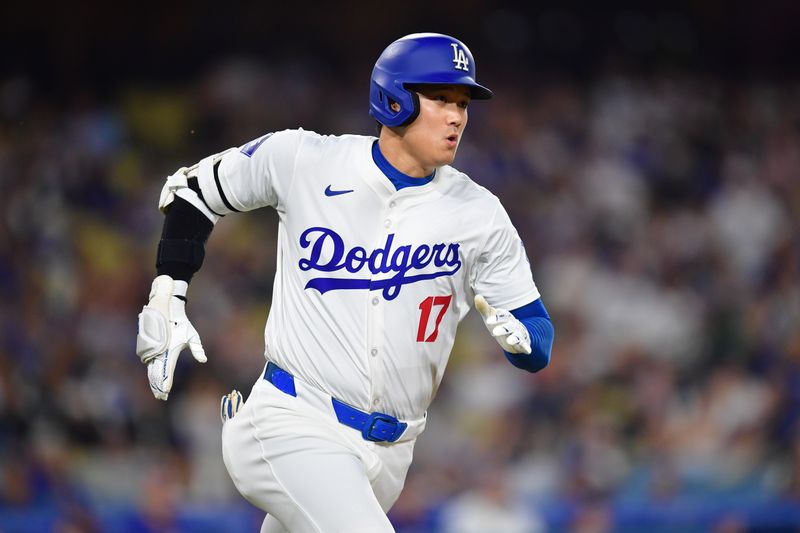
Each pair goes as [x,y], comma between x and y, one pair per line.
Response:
[381,99]
[391,103]
[415,108]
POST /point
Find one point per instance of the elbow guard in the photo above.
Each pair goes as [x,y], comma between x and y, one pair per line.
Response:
[178,186]
[185,183]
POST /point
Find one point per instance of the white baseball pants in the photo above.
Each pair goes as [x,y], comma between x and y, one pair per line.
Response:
[293,459]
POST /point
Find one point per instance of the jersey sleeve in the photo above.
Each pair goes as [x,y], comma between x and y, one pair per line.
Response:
[258,174]
[502,273]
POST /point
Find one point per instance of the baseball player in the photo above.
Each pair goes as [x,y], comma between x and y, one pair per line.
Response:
[382,249]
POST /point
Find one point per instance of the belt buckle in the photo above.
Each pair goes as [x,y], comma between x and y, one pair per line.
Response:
[381,427]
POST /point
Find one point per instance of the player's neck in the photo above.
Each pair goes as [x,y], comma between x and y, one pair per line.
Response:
[396,153]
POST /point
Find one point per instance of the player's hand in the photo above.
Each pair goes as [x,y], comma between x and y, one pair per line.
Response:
[164,331]
[509,332]
[230,404]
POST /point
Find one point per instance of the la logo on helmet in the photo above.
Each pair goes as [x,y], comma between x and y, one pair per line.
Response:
[459,58]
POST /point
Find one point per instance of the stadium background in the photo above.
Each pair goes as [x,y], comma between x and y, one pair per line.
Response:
[649,156]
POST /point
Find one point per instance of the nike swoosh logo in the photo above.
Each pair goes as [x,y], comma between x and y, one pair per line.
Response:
[330,192]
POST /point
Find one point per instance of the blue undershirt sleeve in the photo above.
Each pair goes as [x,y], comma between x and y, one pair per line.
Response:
[536,320]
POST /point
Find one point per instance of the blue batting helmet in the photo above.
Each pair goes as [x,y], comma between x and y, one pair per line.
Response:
[419,58]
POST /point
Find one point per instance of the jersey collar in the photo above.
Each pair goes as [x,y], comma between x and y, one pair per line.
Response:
[398,179]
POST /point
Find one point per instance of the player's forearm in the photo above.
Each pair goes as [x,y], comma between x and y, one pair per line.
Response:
[537,321]
[542,333]
[182,247]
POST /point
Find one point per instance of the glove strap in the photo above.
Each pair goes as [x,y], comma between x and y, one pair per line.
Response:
[179,288]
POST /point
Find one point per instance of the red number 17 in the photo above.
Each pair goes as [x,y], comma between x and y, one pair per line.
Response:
[426,306]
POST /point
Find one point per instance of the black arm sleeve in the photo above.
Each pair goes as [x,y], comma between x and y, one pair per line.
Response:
[183,239]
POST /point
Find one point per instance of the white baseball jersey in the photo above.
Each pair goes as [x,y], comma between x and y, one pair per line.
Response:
[371,282]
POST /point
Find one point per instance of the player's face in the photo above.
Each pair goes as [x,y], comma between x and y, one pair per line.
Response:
[433,138]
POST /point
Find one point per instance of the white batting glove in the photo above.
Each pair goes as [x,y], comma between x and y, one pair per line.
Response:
[164,331]
[230,404]
[509,332]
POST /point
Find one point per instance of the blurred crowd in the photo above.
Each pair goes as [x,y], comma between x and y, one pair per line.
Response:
[660,215]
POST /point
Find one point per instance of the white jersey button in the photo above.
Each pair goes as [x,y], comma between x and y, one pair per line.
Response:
[376,401]
[374,352]
[387,223]
[375,301]
[392,204]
